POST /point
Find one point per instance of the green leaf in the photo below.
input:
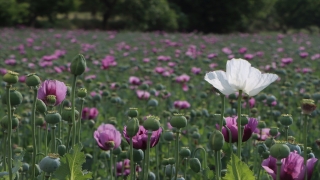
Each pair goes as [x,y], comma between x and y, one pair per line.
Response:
[238,170]
[16,166]
[71,166]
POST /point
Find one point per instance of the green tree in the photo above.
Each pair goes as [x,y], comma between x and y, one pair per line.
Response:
[12,12]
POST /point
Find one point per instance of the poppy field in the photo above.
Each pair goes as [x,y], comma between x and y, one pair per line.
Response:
[109,105]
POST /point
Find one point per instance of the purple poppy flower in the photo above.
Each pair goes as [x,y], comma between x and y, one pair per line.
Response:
[143,94]
[134,80]
[52,87]
[126,164]
[231,123]
[264,134]
[89,113]
[106,135]
[181,104]
[292,167]
[139,141]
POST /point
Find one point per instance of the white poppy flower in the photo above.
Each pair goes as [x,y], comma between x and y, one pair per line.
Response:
[240,76]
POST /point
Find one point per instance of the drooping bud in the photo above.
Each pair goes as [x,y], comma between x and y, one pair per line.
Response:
[11,77]
[152,123]
[15,97]
[32,80]
[286,119]
[132,127]
[91,123]
[185,152]
[216,140]
[308,106]
[195,165]
[78,65]
[82,92]
[133,112]
[279,150]
[52,117]
[178,121]
[41,106]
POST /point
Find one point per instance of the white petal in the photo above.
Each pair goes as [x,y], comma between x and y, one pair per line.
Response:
[237,73]
[264,81]
[218,80]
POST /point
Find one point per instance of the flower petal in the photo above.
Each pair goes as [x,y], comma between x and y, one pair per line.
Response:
[219,80]
[257,81]
[310,166]
[237,73]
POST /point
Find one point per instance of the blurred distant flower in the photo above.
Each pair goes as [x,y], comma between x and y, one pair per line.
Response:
[242,50]
[195,70]
[108,61]
[143,94]
[181,104]
[264,134]
[125,165]
[89,113]
[303,54]
[134,80]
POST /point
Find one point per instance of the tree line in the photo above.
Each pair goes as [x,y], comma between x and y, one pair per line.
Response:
[218,16]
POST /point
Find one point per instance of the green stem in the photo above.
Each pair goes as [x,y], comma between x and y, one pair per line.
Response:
[177,154]
[73,104]
[157,161]
[217,162]
[68,137]
[4,142]
[222,110]
[259,169]
[39,138]
[61,122]
[122,170]
[47,176]
[171,169]
[80,121]
[239,124]
[111,163]
[286,128]
[185,170]
[147,155]
[18,132]
[53,138]
[46,138]
[115,167]
[9,131]
[305,129]
[279,163]
[131,160]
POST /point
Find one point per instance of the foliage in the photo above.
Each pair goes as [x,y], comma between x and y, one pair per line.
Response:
[238,170]
[12,12]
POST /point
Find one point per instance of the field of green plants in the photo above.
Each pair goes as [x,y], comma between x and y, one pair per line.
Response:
[107,105]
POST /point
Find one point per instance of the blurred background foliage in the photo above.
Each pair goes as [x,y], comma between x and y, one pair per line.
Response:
[218,16]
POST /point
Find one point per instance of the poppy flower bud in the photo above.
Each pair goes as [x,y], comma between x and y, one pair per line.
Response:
[151,123]
[105,93]
[195,135]
[262,97]
[78,65]
[67,114]
[133,112]
[185,152]
[308,106]
[286,119]
[171,160]
[195,165]
[265,155]
[50,163]
[168,136]
[138,155]
[232,96]
[153,103]
[82,92]
[123,155]
[244,119]
[41,106]
[165,162]
[11,77]
[178,121]
[261,125]
[51,100]
[132,127]
[274,131]
[269,142]
[15,97]
[279,150]
[98,98]
[216,140]
[261,147]
[270,100]
[62,150]
[117,151]
[32,80]
[159,87]
[5,122]
[52,117]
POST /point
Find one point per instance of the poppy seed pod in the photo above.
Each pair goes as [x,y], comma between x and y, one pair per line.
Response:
[39,121]
[5,122]
[216,140]
[171,161]
[138,155]
[67,114]
[244,120]
[286,119]
[117,151]
[133,112]
[50,163]
[308,106]
[195,165]
[78,65]
[41,106]
[261,125]
[168,136]
[185,152]
[51,100]
[274,131]
[132,127]
[269,142]
[62,150]
[294,147]
[52,117]
[151,123]
[32,80]
[82,92]
[11,77]
[265,155]
[124,155]
[15,97]
[153,103]
[279,151]
[170,170]
[178,121]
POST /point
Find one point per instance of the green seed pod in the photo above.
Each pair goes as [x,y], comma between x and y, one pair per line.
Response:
[29,149]
[50,163]
[265,155]
[5,122]
[123,155]
[133,112]
[39,121]
[261,147]
[269,142]
[132,127]
[185,152]
[170,170]
[279,151]
[165,162]
[195,165]
[178,121]
[159,87]
[15,97]
[52,117]
[151,123]
[11,77]
[286,119]
[32,80]
[308,106]
[195,135]
[244,120]
[144,86]
[261,125]
[25,167]
[117,151]
[67,114]
[153,103]
[78,65]
[18,150]
[51,100]
[232,96]
[171,161]
[168,136]
[294,147]
[138,155]
[151,176]
[274,131]
[41,106]
[62,150]
[153,92]
[82,92]
[254,110]
[216,140]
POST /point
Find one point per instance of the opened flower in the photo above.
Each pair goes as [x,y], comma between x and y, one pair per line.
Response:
[126,168]
[292,167]
[89,113]
[52,87]
[240,75]
[107,137]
